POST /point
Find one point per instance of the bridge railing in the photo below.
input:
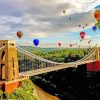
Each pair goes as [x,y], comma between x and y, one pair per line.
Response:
[29,61]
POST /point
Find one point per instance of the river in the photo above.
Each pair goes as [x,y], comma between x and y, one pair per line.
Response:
[44,95]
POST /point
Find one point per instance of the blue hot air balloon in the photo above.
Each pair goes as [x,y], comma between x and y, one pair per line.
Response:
[94,28]
[97,7]
[36,42]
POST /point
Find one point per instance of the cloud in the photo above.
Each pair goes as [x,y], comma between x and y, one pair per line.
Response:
[98,35]
[88,37]
[37,35]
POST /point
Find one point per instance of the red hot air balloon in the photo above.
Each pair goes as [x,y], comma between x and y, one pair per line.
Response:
[19,34]
[82,34]
[59,44]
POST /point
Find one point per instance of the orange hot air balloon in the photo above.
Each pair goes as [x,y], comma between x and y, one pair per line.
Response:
[19,34]
[59,44]
[82,34]
[97,15]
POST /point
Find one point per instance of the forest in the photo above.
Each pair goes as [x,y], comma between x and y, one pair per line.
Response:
[59,54]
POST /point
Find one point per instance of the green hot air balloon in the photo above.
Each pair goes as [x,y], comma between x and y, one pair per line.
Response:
[98,24]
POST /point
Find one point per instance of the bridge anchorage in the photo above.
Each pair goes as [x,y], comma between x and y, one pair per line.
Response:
[16,67]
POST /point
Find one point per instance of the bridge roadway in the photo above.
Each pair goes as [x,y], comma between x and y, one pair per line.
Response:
[54,68]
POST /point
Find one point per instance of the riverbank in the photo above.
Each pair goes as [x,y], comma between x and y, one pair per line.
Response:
[44,95]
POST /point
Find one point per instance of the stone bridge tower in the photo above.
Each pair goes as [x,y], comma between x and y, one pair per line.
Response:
[8,61]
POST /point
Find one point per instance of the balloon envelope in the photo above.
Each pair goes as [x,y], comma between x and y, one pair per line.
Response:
[82,34]
[19,34]
[36,42]
[70,45]
[70,18]
[79,25]
[63,11]
[97,7]
[98,24]
[59,44]
[94,28]
[86,24]
[97,15]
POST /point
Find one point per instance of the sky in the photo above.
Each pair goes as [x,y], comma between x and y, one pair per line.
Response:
[45,20]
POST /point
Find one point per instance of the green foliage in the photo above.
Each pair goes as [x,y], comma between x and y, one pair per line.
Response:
[59,54]
[25,92]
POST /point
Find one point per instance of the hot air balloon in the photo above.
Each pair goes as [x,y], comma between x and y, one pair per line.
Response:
[97,15]
[98,24]
[70,18]
[19,34]
[36,42]
[97,7]
[64,11]
[79,25]
[96,44]
[83,27]
[59,44]
[94,28]
[70,45]
[86,24]
[82,34]
[80,40]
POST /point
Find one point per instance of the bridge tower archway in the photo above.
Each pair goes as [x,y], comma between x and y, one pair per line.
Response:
[8,61]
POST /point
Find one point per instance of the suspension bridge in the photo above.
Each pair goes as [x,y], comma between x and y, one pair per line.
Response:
[15,62]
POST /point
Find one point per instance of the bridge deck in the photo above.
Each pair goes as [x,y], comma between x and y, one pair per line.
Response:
[54,68]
